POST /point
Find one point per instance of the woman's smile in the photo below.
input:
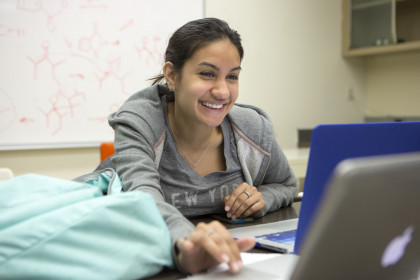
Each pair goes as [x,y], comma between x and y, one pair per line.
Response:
[212,105]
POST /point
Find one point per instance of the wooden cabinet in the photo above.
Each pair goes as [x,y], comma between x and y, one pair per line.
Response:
[373,27]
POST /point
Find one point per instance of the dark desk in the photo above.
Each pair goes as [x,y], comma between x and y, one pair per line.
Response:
[279,215]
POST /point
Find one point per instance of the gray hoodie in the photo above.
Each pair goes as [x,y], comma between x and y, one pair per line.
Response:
[140,133]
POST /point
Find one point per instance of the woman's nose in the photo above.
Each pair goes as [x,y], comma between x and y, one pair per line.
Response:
[220,90]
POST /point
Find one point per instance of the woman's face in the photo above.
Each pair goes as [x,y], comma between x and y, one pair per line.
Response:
[208,86]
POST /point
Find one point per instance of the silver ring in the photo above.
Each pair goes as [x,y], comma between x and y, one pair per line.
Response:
[247,193]
[210,232]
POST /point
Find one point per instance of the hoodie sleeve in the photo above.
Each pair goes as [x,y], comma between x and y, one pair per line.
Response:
[279,185]
[134,160]
[263,162]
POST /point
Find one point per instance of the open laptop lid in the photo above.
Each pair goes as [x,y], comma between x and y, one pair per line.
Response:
[333,143]
[368,226]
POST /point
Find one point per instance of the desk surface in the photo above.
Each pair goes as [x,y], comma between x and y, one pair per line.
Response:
[279,215]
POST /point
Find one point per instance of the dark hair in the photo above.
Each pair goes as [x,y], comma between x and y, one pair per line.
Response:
[193,36]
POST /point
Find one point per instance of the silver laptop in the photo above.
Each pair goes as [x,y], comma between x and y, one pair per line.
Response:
[367,227]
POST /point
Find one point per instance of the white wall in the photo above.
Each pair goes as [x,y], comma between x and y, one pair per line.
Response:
[292,68]
[393,85]
[61,163]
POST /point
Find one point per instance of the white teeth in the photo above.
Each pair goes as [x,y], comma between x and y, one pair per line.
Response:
[214,106]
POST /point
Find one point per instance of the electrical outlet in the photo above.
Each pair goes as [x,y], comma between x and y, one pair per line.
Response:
[350,94]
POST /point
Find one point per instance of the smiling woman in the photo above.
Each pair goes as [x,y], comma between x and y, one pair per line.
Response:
[186,142]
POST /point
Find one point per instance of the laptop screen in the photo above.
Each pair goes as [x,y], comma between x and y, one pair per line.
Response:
[333,143]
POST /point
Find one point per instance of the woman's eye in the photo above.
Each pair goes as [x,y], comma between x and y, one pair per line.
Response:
[233,77]
[207,74]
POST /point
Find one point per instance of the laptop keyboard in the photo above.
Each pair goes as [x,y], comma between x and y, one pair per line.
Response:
[287,237]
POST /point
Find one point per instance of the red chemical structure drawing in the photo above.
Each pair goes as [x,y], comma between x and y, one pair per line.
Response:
[151,53]
[128,24]
[8,31]
[7,111]
[112,71]
[45,58]
[92,43]
[62,106]
[27,121]
[78,76]
[67,64]
[94,4]
[102,74]
[51,10]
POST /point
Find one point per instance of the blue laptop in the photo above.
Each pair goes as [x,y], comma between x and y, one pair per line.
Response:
[330,144]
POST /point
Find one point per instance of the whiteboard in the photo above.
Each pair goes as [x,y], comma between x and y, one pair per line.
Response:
[67,64]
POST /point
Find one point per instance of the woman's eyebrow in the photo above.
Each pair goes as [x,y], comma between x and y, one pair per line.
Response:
[217,68]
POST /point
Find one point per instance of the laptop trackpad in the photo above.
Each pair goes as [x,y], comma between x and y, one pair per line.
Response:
[279,267]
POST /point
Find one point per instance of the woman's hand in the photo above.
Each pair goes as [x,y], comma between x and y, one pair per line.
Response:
[211,244]
[243,202]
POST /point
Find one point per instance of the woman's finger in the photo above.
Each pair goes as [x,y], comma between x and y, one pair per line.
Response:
[245,244]
[251,207]
[245,207]
[234,196]
[219,243]
[250,201]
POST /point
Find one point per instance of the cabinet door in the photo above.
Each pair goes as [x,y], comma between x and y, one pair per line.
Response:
[372,23]
[372,27]
[408,21]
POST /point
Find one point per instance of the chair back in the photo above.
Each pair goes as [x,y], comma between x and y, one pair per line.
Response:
[107,149]
[6,173]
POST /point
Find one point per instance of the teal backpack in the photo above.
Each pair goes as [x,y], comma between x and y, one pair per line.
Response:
[84,229]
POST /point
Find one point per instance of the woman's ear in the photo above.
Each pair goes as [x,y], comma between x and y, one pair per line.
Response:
[170,76]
